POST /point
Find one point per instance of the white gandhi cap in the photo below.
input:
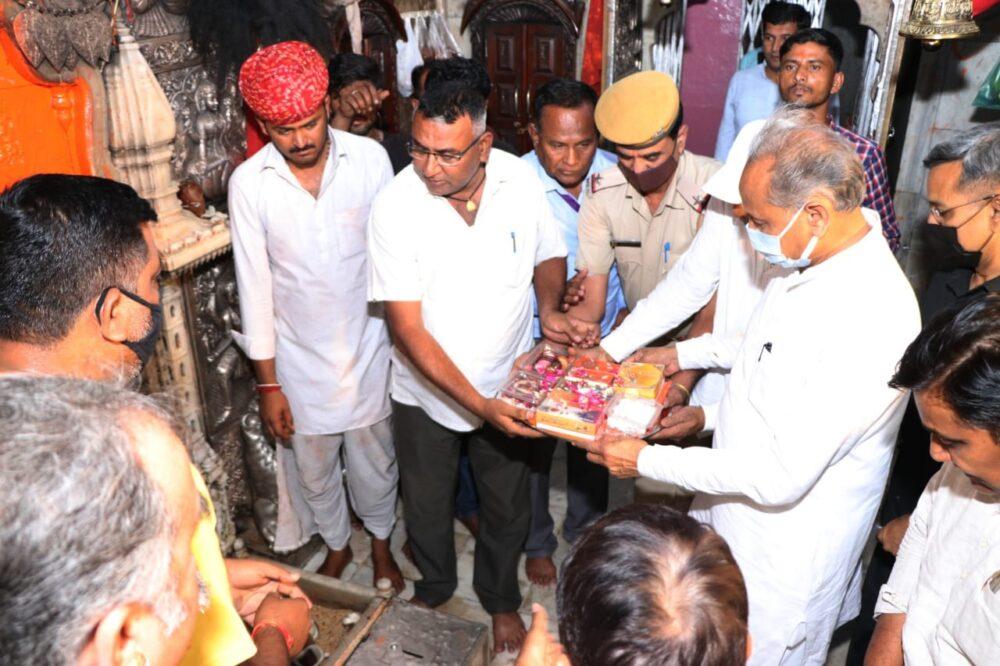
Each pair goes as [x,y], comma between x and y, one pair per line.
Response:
[725,183]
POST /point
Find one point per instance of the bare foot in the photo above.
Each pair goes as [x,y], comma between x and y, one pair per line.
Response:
[540,570]
[508,632]
[471,523]
[384,564]
[336,561]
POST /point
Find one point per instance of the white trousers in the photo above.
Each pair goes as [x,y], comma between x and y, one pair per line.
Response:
[311,496]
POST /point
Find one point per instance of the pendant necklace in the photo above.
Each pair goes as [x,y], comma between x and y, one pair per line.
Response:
[470,205]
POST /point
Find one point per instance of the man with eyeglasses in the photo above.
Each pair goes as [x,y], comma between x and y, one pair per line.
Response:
[962,238]
[299,209]
[455,243]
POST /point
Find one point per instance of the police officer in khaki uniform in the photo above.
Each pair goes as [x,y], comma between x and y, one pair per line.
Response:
[644,212]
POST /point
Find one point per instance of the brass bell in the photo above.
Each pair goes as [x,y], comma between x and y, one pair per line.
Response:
[934,20]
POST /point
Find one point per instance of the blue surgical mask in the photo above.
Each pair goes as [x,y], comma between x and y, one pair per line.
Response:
[770,246]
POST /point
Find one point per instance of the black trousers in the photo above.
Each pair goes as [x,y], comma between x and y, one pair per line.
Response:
[427,454]
[586,496]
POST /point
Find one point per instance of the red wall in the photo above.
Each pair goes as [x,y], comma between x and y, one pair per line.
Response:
[711,42]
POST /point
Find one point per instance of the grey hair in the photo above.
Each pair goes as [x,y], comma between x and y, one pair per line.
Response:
[979,150]
[808,159]
[82,526]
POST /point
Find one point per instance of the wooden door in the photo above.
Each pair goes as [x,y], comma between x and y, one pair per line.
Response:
[505,63]
[520,57]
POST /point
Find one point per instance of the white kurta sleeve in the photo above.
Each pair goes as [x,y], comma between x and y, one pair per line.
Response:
[708,352]
[711,412]
[253,275]
[551,243]
[815,412]
[894,597]
[686,289]
[393,271]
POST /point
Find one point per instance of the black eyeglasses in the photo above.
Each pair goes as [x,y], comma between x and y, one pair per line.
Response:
[446,157]
[939,213]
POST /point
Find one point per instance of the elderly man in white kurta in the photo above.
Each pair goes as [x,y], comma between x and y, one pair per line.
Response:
[299,211]
[807,423]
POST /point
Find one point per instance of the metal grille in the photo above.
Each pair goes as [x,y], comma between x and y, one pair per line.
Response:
[668,49]
[752,16]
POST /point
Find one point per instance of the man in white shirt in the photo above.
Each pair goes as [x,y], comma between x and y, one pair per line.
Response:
[455,243]
[298,211]
[942,602]
[720,261]
[807,423]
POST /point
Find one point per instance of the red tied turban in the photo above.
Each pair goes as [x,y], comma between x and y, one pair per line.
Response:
[284,83]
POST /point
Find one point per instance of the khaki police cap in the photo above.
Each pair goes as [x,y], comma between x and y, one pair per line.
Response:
[638,109]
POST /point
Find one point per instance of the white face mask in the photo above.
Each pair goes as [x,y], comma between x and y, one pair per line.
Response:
[770,246]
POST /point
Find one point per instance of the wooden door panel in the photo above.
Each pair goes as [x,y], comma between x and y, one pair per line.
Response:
[545,59]
[544,47]
[504,62]
[507,47]
[520,57]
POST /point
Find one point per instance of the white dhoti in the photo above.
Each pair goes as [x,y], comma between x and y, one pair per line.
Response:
[311,498]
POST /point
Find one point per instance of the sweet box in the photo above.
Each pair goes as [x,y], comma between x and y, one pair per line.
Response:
[640,380]
[575,406]
[578,397]
[633,416]
[524,389]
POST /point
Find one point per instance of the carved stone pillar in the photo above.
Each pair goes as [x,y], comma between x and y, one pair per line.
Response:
[141,142]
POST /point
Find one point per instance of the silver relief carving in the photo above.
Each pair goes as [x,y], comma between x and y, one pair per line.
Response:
[232,422]
[627,55]
[210,138]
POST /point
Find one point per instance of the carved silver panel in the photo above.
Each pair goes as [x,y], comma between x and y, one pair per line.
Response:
[623,45]
[211,139]
[230,403]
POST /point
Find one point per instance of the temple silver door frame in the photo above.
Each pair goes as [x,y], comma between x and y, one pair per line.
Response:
[622,39]
[669,39]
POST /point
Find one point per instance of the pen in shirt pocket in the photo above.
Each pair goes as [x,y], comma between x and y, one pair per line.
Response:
[666,252]
[513,241]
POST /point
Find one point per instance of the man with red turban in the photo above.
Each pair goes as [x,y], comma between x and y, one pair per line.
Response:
[298,210]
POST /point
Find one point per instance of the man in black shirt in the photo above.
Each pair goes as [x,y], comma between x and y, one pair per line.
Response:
[962,237]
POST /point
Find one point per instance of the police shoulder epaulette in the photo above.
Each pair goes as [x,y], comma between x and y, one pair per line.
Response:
[605,179]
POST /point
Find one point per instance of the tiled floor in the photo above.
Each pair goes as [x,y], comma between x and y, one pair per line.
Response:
[464,604]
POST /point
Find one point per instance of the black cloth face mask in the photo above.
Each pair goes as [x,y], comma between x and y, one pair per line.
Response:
[650,179]
[945,252]
[146,345]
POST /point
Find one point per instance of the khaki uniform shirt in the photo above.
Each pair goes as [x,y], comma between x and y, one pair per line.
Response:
[616,225]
